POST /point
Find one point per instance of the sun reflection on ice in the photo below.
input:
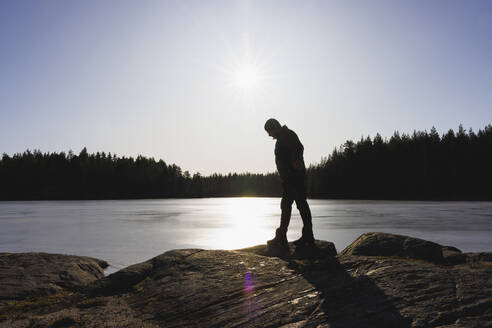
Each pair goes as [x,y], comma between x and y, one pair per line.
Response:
[248,224]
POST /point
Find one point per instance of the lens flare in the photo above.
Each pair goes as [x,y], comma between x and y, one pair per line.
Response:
[248,284]
[251,306]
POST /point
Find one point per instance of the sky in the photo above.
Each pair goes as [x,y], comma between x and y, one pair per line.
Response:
[192,82]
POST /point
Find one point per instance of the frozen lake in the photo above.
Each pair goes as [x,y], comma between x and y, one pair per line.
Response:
[125,232]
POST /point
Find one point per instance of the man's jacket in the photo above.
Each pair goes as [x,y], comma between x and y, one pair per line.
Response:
[289,149]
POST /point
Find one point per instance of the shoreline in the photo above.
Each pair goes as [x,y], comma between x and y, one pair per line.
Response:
[388,280]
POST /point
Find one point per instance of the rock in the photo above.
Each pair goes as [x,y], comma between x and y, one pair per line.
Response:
[125,279]
[384,244]
[319,250]
[430,294]
[309,287]
[38,274]
[479,257]
[452,255]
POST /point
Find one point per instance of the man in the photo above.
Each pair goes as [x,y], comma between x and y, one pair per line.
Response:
[290,165]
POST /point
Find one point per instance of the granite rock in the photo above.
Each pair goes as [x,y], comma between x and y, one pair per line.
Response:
[261,287]
[385,244]
[40,274]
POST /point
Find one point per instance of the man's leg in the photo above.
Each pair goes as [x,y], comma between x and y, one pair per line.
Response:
[286,207]
[305,211]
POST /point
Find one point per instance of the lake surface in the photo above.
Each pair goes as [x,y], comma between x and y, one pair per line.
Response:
[125,232]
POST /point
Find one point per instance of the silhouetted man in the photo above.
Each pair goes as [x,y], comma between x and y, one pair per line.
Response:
[290,165]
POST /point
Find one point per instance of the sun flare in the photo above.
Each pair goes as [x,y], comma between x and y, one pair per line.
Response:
[247,73]
[247,78]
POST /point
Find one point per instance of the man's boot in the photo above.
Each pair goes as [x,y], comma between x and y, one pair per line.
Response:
[280,239]
[307,238]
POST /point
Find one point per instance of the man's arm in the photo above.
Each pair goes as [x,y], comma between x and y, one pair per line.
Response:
[296,150]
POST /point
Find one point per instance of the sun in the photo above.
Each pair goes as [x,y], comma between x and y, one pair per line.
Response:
[247,73]
[247,78]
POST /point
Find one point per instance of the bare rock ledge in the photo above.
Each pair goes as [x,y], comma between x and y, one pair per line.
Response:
[380,280]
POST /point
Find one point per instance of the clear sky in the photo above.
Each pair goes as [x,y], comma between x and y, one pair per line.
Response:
[192,82]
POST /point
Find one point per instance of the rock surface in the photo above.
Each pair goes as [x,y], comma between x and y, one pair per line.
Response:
[260,287]
[40,274]
[385,244]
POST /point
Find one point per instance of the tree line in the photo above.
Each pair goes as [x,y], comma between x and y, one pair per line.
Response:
[424,165]
[37,175]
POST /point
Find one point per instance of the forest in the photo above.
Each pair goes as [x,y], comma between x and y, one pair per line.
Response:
[421,166]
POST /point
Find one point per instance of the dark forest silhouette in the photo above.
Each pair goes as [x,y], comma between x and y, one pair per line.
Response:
[454,166]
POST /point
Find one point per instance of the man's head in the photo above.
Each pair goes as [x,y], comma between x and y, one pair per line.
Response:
[273,127]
